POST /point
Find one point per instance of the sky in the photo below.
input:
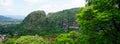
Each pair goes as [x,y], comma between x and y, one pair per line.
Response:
[21,8]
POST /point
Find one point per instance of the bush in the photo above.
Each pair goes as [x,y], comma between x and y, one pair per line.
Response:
[69,38]
[31,40]
[10,41]
[1,43]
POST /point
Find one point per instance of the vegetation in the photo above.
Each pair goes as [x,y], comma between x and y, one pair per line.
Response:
[38,23]
[70,38]
[27,40]
[31,40]
[99,23]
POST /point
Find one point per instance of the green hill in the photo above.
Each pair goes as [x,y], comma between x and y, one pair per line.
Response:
[37,22]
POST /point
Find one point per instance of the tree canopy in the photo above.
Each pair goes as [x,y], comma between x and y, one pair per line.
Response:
[100,21]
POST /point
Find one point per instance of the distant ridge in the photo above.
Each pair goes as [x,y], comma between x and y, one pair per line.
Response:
[3,18]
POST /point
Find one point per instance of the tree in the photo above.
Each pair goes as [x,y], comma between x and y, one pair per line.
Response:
[100,21]
[69,38]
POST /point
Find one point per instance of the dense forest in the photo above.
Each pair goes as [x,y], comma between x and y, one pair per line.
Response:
[96,23]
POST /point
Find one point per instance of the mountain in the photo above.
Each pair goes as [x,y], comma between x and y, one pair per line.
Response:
[34,20]
[37,22]
[4,18]
[34,17]
[9,21]
[65,19]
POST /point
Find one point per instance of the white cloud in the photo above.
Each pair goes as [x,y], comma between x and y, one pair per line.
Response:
[78,2]
[62,6]
[6,3]
[7,7]
[32,2]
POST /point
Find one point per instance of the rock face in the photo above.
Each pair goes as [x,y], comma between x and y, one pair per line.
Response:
[34,17]
[54,23]
[65,19]
[34,20]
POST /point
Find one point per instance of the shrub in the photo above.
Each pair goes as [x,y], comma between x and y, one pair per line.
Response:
[10,41]
[69,38]
[31,40]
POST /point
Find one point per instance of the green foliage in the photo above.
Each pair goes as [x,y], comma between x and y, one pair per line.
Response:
[99,22]
[31,40]
[34,20]
[1,43]
[70,38]
[53,24]
[10,41]
[63,19]
[32,24]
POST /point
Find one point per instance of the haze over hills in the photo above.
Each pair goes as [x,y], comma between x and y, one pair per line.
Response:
[8,20]
[5,18]
[15,16]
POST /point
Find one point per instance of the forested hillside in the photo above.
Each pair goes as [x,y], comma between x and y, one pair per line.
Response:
[7,25]
[96,23]
[56,23]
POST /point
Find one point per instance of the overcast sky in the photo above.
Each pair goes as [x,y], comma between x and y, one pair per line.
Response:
[21,8]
